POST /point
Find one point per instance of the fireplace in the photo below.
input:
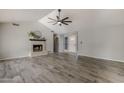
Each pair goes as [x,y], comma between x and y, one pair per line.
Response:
[37,48]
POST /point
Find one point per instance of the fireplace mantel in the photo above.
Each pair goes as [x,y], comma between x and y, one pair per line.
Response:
[37,39]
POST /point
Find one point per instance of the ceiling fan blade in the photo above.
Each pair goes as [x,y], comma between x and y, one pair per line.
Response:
[57,18]
[65,23]
[55,23]
[52,19]
[65,18]
[68,21]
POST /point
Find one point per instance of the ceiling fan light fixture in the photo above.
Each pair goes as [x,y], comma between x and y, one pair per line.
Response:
[60,20]
[59,23]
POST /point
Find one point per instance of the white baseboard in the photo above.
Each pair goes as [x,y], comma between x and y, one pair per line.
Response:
[9,58]
[78,55]
[102,58]
[13,58]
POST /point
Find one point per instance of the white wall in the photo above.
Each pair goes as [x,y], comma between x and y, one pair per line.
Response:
[101,32]
[103,42]
[14,39]
[61,43]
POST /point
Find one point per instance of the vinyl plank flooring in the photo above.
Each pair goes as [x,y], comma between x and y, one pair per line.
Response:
[60,68]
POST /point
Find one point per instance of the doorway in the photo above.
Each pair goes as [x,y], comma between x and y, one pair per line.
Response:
[70,43]
[56,43]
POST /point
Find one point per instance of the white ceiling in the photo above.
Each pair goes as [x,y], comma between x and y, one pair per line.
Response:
[22,15]
[86,18]
[81,18]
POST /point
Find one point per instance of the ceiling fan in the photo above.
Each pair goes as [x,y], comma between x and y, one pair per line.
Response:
[58,19]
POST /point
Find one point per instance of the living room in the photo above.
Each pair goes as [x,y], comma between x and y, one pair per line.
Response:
[61,45]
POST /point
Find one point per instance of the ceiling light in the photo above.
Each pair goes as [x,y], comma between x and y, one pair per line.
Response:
[59,20]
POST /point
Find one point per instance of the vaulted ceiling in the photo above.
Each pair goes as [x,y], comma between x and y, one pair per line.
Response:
[85,18]
[22,15]
[81,18]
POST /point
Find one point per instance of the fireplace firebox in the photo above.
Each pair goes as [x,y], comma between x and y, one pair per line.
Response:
[37,48]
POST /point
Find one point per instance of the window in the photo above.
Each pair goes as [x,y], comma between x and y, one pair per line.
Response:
[66,43]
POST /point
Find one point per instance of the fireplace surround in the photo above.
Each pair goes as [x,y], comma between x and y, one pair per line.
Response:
[37,47]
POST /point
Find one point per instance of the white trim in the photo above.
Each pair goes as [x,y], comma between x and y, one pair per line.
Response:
[13,58]
[63,52]
[102,58]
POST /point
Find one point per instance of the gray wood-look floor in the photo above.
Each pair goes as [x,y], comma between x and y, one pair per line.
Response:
[60,68]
